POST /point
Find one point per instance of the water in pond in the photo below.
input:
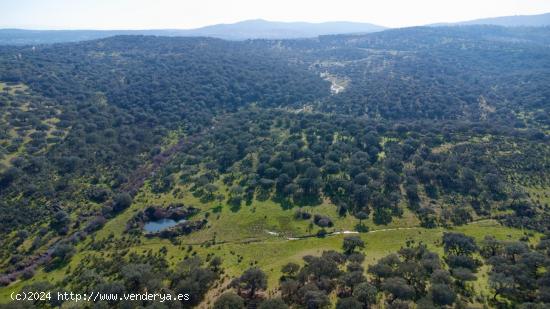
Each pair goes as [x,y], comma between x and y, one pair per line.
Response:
[159,225]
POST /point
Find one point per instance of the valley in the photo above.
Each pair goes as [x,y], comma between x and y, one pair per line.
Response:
[407,168]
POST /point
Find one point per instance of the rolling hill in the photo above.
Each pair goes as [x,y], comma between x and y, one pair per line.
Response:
[540,20]
[251,29]
[407,168]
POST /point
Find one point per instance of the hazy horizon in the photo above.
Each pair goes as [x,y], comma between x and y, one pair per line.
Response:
[168,14]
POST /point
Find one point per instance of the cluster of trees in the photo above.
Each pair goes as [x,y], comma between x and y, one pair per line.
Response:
[366,168]
[306,286]
[471,72]
[413,276]
[133,273]
[519,272]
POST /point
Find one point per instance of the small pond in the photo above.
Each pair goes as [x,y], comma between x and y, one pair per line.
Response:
[159,225]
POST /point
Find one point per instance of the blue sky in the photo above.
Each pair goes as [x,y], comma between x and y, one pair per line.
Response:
[158,14]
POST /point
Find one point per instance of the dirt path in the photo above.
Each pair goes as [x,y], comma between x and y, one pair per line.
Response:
[346,232]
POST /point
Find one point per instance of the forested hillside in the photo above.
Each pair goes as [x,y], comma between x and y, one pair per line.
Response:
[434,73]
[113,102]
[430,146]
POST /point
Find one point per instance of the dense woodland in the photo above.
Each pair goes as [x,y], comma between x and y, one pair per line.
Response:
[363,167]
[450,124]
[158,84]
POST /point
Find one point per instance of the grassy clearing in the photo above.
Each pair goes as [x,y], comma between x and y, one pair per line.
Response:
[242,240]
[541,195]
[270,253]
[12,88]
[249,222]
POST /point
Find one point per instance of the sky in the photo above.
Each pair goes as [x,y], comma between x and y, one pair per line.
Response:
[185,14]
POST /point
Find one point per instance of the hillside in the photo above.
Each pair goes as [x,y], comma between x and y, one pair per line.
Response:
[402,168]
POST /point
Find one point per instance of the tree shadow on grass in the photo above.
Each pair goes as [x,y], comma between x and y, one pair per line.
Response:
[285,202]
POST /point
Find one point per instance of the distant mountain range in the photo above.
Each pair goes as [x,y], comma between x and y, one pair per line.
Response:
[249,29]
[540,20]
[262,29]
